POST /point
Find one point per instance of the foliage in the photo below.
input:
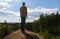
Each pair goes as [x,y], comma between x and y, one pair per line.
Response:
[6,29]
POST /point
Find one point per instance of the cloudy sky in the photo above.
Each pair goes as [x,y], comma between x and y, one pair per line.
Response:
[9,9]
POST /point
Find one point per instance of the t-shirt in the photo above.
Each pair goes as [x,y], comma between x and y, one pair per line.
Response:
[23,11]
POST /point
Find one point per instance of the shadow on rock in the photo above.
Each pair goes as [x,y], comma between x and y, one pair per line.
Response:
[28,36]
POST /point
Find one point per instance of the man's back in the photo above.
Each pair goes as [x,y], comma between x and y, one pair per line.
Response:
[23,11]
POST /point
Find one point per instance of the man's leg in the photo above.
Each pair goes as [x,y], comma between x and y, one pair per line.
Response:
[23,24]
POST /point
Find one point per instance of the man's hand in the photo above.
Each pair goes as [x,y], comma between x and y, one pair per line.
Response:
[26,17]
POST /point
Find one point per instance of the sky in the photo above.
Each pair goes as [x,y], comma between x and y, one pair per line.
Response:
[9,9]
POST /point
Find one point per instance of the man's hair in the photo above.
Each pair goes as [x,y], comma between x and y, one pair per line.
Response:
[23,3]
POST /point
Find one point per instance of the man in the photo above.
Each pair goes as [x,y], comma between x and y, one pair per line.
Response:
[23,14]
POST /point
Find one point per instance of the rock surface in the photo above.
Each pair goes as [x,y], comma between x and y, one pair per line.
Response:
[19,35]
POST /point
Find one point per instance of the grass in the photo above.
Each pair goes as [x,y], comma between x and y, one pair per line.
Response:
[47,35]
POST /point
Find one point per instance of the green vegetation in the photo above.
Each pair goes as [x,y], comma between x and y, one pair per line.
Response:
[6,29]
[47,26]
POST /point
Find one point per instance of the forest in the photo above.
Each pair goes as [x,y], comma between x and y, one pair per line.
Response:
[47,25]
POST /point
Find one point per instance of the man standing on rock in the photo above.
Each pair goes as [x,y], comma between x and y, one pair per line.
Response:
[23,14]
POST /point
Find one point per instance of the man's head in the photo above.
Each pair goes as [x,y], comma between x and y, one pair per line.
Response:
[23,3]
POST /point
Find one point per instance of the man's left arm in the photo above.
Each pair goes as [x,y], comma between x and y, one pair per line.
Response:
[26,11]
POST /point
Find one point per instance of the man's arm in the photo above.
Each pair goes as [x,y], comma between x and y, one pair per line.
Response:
[26,11]
[20,11]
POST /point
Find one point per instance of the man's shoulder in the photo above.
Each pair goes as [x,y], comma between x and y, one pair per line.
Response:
[23,7]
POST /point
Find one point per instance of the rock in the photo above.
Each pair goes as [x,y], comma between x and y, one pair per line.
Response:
[19,35]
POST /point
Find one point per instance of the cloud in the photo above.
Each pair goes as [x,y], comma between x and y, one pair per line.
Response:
[32,14]
[31,18]
[10,16]
[18,0]
[2,19]
[5,3]
[14,16]
[43,10]
[8,0]
[4,8]
[10,12]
